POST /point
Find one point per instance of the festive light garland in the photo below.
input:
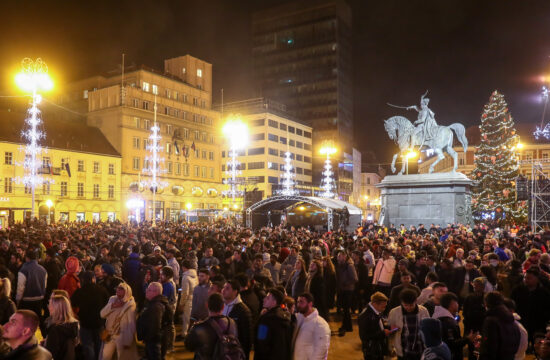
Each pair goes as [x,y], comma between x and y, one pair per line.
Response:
[288,177]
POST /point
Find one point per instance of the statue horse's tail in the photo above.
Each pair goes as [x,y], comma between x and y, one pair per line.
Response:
[460,132]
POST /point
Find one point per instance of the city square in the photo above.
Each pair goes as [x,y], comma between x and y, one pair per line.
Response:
[285,179]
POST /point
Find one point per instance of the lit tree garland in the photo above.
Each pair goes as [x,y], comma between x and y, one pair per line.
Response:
[496,164]
[236,133]
[288,177]
[327,183]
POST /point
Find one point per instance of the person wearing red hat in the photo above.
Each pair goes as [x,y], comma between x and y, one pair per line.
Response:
[70,281]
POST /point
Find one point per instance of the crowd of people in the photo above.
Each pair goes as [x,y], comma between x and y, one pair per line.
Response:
[94,291]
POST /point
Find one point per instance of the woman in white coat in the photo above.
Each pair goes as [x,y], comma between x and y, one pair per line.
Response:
[120,325]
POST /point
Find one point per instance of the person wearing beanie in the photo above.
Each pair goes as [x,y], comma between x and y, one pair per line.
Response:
[435,348]
[70,281]
[273,338]
[373,334]
[109,280]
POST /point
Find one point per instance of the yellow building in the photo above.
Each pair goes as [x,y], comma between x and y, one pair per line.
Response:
[80,167]
[122,106]
[370,195]
[272,134]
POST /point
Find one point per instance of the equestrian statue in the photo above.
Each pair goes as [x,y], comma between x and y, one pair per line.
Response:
[426,133]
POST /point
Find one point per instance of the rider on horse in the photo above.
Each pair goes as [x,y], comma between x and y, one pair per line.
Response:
[426,120]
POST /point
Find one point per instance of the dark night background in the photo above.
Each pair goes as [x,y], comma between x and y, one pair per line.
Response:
[461,50]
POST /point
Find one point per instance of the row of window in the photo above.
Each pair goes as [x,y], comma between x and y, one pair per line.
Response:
[47,163]
[273,152]
[270,165]
[171,148]
[168,93]
[176,168]
[63,189]
[174,131]
[284,127]
[283,140]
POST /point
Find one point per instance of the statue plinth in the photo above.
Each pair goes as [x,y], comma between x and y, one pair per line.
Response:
[437,198]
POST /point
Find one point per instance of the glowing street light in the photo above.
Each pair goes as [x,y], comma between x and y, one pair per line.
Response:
[236,133]
[519,146]
[327,183]
[49,204]
[410,155]
[188,206]
[32,79]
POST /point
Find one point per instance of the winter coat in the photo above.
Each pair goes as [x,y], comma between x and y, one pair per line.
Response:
[62,340]
[524,339]
[29,351]
[273,335]
[346,276]
[500,336]
[121,325]
[533,307]
[89,300]
[473,312]
[69,282]
[189,280]
[157,316]
[435,349]
[317,289]
[373,337]
[7,308]
[200,297]
[296,283]
[395,318]
[131,270]
[383,271]
[202,337]
[450,332]
[311,338]
[396,293]
[243,318]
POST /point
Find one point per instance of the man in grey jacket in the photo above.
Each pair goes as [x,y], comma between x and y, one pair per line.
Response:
[189,281]
[346,277]
[200,296]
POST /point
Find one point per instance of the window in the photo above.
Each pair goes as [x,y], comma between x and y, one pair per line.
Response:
[256,165]
[197,135]
[273,123]
[211,155]
[368,180]
[155,89]
[307,172]
[282,140]
[111,169]
[63,162]
[146,164]
[80,189]
[291,129]
[272,180]
[46,188]
[169,167]
[166,110]
[307,159]
[186,133]
[96,167]
[184,97]
[273,152]
[46,162]
[299,157]
[63,189]
[145,86]
[291,143]
[211,172]
[85,94]
[256,151]
[135,103]
[169,129]
[195,101]
[8,158]
[176,113]
[183,70]
[135,142]
[197,153]
[196,170]
[299,144]
[272,137]
[147,124]
[96,191]
[299,132]
[28,189]
[168,148]
[80,166]
[178,169]
[272,165]
[8,185]
[255,137]
[307,146]
[203,154]
[111,192]
[203,171]
[136,122]
[136,162]
[307,134]
[145,105]
[199,72]
[186,169]
[257,122]
[299,170]
[282,126]
[203,103]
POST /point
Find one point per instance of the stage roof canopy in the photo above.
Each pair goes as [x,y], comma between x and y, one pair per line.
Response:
[283,202]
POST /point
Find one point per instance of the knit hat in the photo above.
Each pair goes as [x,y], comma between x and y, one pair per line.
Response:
[378,297]
[72,264]
[108,268]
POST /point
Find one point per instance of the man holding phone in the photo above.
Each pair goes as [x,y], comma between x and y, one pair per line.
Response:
[372,332]
[405,318]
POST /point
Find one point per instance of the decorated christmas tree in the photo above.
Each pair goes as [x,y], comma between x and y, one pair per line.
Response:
[496,165]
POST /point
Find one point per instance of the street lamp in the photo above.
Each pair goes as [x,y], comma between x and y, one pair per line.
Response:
[32,79]
[410,155]
[327,183]
[188,206]
[236,133]
[49,204]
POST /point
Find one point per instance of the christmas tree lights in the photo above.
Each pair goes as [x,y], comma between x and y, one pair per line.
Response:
[327,183]
[496,164]
[288,177]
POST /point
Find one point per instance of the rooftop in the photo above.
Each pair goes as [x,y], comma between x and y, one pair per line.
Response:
[257,106]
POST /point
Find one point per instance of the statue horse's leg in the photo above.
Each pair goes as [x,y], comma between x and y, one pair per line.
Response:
[454,155]
[440,157]
[393,162]
[403,165]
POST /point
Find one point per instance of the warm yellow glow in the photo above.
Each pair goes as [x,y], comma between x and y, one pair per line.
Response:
[225,208]
[188,206]
[302,208]
[328,150]
[235,206]
[34,76]
[411,154]
[49,203]
[236,132]
[519,146]
[366,197]
[134,203]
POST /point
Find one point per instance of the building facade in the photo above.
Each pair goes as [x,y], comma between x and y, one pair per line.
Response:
[124,108]
[80,169]
[303,59]
[272,134]
[370,195]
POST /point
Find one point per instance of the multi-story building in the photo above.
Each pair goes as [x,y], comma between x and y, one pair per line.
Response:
[370,195]
[80,169]
[272,133]
[123,107]
[302,58]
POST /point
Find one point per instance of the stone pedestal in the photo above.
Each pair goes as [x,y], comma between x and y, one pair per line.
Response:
[439,198]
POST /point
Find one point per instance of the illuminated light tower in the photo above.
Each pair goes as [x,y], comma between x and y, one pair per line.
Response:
[543,130]
[33,78]
[154,161]
[236,133]
[288,177]
[327,183]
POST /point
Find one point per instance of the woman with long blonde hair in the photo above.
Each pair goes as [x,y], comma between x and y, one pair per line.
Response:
[329,276]
[63,330]
[120,325]
[316,287]
[297,279]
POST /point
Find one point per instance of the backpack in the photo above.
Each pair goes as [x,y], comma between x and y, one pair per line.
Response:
[228,346]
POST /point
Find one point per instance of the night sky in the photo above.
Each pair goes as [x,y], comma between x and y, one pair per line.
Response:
[459,50]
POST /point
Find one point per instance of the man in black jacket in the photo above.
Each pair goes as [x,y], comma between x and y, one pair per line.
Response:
[238,311]
[89,300]
[500,336]
[153,320]
[372,333]
[274,331]
[19,335]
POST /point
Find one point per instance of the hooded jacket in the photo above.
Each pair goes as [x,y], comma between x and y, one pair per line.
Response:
[450,331]
[500,335]
[62,340]
[30,350]
[189,280]
[70,281]
[436,349]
